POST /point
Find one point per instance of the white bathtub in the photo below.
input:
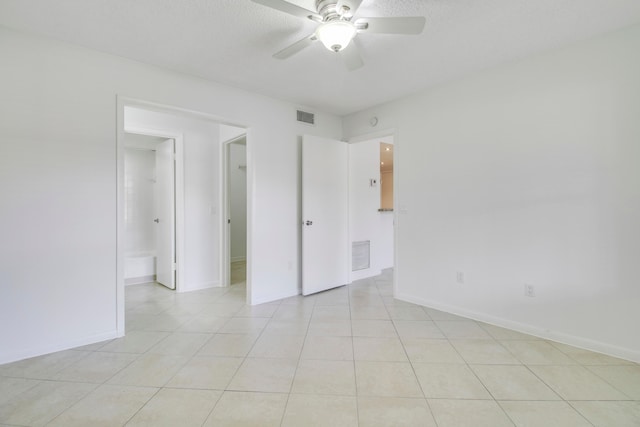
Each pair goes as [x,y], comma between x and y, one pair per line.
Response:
[139,268]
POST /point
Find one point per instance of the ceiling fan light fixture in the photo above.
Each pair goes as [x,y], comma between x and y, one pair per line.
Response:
[336,35]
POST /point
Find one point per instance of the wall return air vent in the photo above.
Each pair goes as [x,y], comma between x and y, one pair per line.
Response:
[360,255]
[305,117]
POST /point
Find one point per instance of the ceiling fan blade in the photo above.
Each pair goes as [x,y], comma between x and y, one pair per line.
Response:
[351,57]
[353,6]
[291,9]
[401,25]
[296,47]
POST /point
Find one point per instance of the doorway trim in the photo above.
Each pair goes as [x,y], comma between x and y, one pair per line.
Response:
[393,132]
[121,103]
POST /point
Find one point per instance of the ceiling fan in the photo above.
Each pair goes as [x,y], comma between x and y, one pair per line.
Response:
[338,27]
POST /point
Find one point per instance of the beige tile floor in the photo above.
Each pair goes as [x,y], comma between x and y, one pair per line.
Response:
[352,356]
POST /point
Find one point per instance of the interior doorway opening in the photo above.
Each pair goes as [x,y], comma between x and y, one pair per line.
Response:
[371,216]
[149,210]
[194,143]
[234,195]
[348,234]
[374,201]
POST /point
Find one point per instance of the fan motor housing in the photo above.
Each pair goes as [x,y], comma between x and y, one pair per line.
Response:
[328,9]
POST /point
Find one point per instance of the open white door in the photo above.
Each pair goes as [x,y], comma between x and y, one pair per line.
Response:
[325,235]
[165,214]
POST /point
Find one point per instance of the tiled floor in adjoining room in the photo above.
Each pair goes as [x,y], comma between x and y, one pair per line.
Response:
[346,357]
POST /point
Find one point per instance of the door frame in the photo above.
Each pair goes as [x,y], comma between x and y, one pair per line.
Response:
[121,103]
[178,202]
[396,208]
[225,229]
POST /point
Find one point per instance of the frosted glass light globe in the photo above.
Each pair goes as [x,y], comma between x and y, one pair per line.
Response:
[336,35]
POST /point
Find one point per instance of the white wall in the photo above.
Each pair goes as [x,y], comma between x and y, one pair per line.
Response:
[58,185]
[365,222]
[201,191]
[386,250]
[238,200]
[527,173]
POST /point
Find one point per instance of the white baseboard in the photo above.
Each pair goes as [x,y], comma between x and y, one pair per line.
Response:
[364,274]
[139,280]
[263,299]
[200,286]
[39,351]
[557,336]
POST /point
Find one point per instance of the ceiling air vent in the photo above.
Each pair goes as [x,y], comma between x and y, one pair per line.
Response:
[305,117]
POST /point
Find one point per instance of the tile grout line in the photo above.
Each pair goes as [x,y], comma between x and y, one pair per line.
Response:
[413,368]
[353,351]
[466,363]
[189,359]
[244,358]
[293,378]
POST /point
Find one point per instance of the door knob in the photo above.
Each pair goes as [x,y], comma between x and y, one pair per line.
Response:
[157,220]
[309,223]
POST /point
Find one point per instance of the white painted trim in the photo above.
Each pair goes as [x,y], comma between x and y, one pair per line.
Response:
[557,336]
[225,239]
[277,296]
[373,135]
[39,351]
[139,280]
[396,208]
[178,111]
[204,285]
[250,216]
[235,139]
[364,274]
[349,244]
[120,329]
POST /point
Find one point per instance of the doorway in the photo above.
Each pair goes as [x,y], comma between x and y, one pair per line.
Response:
[198,211]
[348,217]
[371,225]
[149,210]
[234,195]
[373,209]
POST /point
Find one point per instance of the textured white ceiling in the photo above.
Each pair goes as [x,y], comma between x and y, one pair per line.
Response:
[231,41]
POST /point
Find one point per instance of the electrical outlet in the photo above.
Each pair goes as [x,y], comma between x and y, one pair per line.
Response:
[529,290]
[460,277]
